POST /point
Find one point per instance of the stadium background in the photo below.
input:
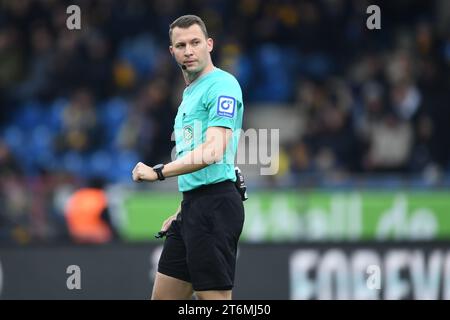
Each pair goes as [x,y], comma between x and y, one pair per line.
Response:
[363,164]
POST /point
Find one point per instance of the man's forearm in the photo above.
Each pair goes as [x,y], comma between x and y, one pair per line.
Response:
[195,160]
[209,152]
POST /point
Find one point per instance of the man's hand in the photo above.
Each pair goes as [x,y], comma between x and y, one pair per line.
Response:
[166,224]
[142,172]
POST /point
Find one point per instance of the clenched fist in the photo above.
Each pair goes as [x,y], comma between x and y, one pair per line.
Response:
[143,172]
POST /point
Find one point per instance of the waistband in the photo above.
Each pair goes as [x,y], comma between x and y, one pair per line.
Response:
[210,189]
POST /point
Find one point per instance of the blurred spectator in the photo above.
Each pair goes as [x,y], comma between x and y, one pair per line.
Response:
[8,163]
[68,64]
[81,131]
[390,143]
[421,155]
[98,65]
[11,58]
[14,218]
[38,79]
[148,127]
[88,216]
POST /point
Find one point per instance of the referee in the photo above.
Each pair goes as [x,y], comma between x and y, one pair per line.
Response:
[199,254]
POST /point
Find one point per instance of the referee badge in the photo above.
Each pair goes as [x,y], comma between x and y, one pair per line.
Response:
[226,106]
[188,133]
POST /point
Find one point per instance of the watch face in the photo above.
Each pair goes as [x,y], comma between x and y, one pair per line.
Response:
[158,169]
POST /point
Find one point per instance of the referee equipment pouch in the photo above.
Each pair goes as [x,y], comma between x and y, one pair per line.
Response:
[240,184]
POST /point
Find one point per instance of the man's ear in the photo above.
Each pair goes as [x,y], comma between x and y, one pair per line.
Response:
[210,44]
[171,51]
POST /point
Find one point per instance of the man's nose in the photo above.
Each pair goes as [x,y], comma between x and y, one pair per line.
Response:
[188,50]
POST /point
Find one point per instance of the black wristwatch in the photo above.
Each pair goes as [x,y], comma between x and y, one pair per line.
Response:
[158,169]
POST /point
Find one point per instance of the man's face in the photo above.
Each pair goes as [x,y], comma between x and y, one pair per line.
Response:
[191,48]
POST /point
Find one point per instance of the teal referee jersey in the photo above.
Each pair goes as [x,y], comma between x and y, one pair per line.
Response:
[212,100]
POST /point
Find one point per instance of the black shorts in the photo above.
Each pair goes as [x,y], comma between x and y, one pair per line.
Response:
[201,243]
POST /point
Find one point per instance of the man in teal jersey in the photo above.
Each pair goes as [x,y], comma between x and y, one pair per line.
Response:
[199,253]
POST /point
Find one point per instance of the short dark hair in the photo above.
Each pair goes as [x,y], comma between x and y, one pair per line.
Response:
[185,22]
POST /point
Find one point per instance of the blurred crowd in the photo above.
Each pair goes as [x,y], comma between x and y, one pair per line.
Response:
[80,104]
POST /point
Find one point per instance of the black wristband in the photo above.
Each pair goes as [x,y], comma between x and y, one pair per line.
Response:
[158,169]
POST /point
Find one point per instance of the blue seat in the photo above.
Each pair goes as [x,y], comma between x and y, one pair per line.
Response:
[30,116]
[276,85]
[55,115]
[125,162]
[46,159]
[112,114]
[74,163]
[41,138]
[139,51]
[14,137]
[100,163]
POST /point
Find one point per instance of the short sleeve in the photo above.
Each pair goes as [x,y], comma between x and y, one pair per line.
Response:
[223,100]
